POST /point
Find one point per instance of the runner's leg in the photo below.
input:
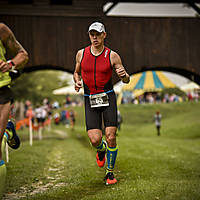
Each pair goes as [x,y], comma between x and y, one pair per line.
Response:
[110,121]
[4,112]
[112,150]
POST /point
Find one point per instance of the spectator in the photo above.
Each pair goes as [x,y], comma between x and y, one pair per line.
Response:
[119,120]
[157,120]
[72,119]
[56,118]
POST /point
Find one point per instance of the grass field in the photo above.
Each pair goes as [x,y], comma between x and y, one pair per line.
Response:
[62,165]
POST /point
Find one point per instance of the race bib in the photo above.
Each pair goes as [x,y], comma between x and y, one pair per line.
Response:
[98,100]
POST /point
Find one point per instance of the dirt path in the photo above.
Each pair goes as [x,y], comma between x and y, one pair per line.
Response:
[52,173]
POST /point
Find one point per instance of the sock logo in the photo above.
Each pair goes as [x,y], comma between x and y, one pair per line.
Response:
[111,166]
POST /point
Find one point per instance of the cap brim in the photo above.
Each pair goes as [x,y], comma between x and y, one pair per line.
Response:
[95,30]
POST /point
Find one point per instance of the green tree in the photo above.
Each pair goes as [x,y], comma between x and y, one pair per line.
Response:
[38,85]
[171,91]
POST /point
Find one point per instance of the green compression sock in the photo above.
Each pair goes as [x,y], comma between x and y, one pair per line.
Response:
[101,146]
[8,134]
[3,146]
[2,177]
[111,158]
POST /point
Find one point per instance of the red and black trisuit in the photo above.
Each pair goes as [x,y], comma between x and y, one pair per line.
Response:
[96,72]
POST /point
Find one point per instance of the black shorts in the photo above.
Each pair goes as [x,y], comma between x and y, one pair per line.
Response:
[6,95]
[40,120]
[93,116]
[158,126]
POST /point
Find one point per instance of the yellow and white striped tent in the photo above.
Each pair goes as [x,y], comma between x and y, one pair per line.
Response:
[148,81]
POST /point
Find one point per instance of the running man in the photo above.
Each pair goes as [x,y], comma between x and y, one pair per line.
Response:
[157,119]
[95,63]
[12,56]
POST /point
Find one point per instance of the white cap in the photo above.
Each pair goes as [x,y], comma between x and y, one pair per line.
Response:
[97,26]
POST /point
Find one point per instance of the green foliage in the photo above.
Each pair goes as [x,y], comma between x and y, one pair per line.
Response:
[171,91]
[38,85]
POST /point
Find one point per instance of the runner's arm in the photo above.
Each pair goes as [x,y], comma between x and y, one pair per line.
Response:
[77,77]
[120,70]
[14,49]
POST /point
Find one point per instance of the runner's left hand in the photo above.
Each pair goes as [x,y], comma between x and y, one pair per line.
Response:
[121,72]
[4,66]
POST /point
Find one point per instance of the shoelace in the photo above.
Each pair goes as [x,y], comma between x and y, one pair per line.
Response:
[109,176]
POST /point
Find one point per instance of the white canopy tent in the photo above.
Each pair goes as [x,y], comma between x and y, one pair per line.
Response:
[190,87]
[70,90]
[118,87]
[67,90]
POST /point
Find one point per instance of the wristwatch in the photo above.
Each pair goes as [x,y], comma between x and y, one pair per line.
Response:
[12,65]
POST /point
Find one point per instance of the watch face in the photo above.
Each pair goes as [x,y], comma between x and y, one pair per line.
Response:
[12,65]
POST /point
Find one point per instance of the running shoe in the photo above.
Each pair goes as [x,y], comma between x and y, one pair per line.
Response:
[110,179]
[101,157]
[14,141]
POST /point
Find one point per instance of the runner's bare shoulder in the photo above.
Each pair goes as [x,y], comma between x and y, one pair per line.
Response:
[4,31]
[79,55]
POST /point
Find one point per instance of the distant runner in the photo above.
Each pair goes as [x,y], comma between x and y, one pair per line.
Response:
[157,119]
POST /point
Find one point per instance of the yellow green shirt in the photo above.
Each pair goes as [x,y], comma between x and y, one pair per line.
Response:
[5,79]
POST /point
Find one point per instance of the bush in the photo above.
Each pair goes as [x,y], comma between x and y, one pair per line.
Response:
[172,91]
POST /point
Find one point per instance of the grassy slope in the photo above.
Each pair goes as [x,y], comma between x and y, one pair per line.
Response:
[148,167]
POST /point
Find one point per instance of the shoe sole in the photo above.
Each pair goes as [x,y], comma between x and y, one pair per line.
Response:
[111,183]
